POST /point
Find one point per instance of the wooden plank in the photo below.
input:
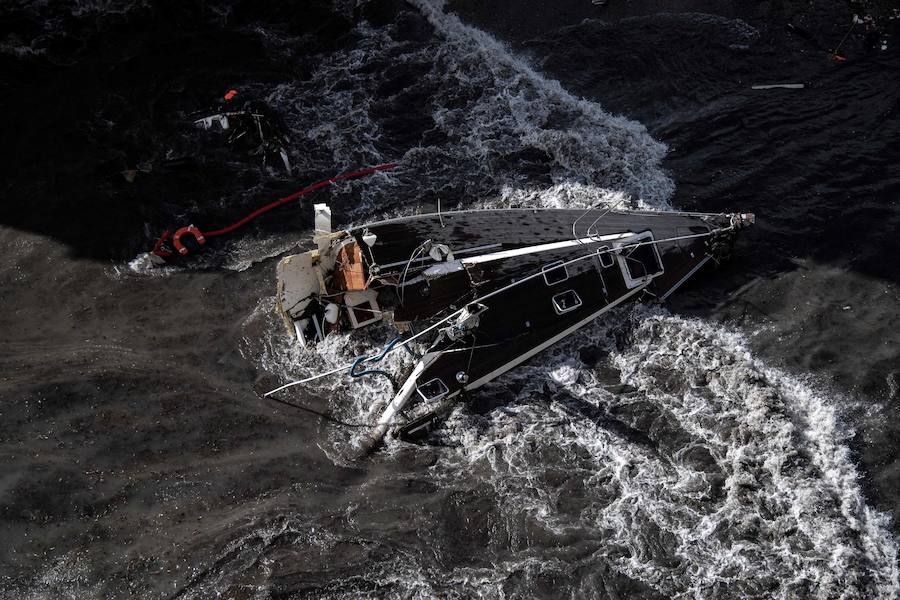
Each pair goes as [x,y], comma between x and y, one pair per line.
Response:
[349,271]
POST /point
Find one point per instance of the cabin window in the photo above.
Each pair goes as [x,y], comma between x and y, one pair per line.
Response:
[433,390]
[605,256]
[555,273]
[566,302]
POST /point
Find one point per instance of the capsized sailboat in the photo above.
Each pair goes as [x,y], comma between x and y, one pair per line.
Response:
[486,289]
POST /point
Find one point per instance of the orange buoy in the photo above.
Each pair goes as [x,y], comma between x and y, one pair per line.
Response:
[189,230]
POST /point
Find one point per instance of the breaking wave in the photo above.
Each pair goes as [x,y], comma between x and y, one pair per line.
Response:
[475,120]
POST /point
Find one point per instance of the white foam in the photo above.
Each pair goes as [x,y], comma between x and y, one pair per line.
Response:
[777,511]
[565,195]
[67,577]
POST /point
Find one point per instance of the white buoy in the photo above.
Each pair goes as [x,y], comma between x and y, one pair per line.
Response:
[331,313]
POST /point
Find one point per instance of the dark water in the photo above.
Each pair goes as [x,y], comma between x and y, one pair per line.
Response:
[738,443]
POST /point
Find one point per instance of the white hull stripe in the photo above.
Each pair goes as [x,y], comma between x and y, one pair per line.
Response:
[543,248]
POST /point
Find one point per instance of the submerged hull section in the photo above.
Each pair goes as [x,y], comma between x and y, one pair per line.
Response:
[487,290]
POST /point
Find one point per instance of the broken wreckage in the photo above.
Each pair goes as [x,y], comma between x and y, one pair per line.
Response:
[485,289]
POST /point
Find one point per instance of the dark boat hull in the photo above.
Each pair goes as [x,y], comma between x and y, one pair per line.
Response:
[531,283]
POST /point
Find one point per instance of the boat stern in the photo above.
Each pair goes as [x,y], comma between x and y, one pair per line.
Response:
[325,289]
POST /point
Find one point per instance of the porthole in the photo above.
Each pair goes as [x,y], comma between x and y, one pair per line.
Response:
[555,273]
[432,390]
[566,302]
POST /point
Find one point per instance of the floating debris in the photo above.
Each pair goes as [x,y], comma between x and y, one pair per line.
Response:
[784,86]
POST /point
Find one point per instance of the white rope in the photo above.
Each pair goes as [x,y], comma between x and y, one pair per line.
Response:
[499,291]
[308,379]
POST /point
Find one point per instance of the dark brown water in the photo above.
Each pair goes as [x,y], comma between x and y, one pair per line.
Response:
[739,443]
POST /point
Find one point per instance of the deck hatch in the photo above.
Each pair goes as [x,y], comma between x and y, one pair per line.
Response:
[639,259]
[566,302]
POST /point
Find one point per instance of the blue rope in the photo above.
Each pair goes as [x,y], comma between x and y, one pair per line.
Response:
[377,358]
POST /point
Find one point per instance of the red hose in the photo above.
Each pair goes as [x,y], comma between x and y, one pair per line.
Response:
[160,251]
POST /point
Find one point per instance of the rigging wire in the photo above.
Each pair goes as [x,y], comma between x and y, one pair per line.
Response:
[349,365]
[368,424]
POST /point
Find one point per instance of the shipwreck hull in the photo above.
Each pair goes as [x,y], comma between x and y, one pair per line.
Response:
[494,288]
